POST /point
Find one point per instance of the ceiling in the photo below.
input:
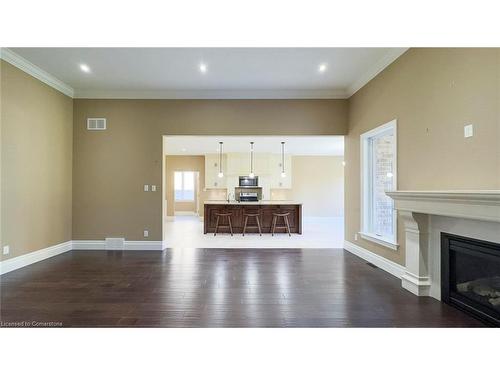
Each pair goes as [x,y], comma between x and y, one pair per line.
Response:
[230,72]
[295,145]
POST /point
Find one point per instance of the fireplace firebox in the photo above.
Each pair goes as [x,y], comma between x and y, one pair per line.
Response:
[470,276]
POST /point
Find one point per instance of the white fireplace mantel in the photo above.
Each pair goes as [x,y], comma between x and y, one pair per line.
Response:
[481,208]
[468,204]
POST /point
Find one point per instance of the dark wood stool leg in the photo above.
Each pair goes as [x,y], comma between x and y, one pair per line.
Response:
[273,226]
[230,226]
[245,225]
[216,226]
[258,224]
[287,226]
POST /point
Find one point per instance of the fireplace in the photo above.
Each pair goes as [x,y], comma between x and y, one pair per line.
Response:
[470,276]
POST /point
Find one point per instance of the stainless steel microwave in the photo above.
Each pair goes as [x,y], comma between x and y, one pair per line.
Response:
[246,181]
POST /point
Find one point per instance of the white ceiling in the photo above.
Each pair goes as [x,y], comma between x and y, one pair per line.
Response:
[231,72]
[295,145]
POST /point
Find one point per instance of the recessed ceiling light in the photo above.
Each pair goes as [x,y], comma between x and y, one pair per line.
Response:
[322,68]
[203,68]
[85,68]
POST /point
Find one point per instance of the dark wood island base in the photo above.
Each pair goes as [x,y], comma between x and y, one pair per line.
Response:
[238,209]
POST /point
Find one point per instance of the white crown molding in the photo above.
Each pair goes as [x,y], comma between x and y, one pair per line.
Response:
[212,94]
[35,71]
[381,262]
[375,69]
[12,264]
[40,74]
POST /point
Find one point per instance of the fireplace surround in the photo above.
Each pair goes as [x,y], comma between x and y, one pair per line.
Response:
[470,276]
[427,214]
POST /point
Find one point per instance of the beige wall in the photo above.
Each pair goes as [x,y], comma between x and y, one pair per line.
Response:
[183,163]
[111,167]
[36,154]
[320,188]
[185,206]
[432,93]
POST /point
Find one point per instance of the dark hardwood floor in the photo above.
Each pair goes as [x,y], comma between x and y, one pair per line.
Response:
[216,288]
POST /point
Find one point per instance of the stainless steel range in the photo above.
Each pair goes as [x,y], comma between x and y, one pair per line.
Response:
[249,196]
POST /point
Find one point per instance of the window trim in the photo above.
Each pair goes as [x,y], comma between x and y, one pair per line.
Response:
[194,191]
[391,243]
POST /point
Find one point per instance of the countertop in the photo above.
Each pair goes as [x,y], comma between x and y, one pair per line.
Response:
[225,202]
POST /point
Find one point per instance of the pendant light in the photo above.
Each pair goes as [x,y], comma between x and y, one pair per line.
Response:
[283,174]
[220,161]
[251,175]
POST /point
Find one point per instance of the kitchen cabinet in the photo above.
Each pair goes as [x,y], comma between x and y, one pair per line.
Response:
[266,209]
[238,164]
[267,167]
[261,164]
[212,180]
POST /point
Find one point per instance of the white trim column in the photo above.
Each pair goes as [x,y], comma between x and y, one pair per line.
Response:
[416,278]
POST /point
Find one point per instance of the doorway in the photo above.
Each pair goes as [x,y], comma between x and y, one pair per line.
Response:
[284,175]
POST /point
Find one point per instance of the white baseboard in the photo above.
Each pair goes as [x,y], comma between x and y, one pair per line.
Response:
[89,245]
[185,213]
[33,257]
[143,245]
[381,262]
[12,264]
[129,245]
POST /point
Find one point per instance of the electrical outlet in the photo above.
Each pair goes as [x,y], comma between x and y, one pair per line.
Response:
[6,250]
[153,187]
[146,187]
[146,233]
[468,131]
[356,237]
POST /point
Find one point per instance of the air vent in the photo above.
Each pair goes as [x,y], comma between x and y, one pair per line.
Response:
[96,124]
[115,243]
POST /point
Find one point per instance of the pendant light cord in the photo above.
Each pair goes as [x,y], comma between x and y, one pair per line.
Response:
[282,157]
[220,157]
[251,157]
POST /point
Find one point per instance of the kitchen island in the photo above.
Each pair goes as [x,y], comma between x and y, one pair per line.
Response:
[265,208]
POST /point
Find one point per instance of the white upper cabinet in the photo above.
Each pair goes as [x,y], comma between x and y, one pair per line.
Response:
[238,164]
[212,179]
[266,166]
[261,164]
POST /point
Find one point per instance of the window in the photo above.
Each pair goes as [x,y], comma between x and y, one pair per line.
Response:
[184,186]
[378,175]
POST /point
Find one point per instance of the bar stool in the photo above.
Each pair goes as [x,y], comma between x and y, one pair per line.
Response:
[247,216]
[223,215]
[276,216]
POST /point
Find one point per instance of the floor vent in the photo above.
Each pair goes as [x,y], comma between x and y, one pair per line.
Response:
[115,243]
[371,265]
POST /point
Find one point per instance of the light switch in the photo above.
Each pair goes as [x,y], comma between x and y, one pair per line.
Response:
[146,233]
[6,250]
[146,187]
[468,131]
[153,187]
